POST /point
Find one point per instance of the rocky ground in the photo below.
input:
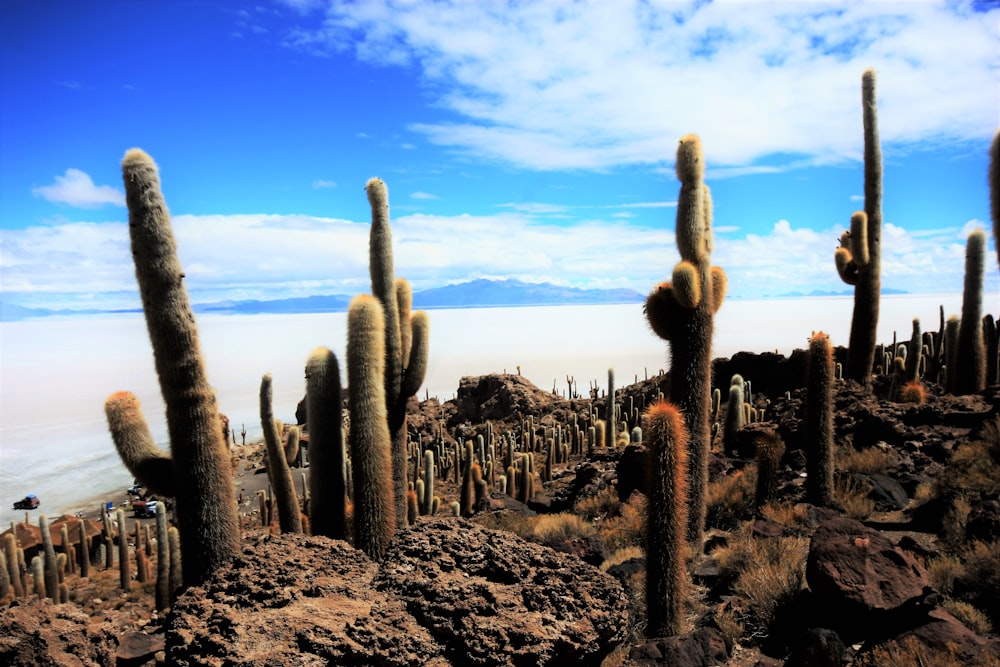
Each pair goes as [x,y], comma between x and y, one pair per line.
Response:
[903,569]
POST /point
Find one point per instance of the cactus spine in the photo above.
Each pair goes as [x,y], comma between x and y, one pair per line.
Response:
[819,421]
[374,506]
[327,457]
[970,370]
[666,548]
[406,338]
[205,503]
[682,312]
[289,516]
[859,259]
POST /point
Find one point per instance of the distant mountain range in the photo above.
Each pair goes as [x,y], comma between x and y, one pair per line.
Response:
[846,292]
[472,294]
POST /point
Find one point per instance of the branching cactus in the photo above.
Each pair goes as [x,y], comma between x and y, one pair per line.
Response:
[859,257]
[406,337]
[278,472]
[374,506]
[666,537]
[682,312]
[327,456]
[819,421]
[970,369]
[199,477]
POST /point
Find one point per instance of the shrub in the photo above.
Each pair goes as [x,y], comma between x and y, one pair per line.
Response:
[598,505]
[552,529]
[628,528]
[973,619]
[851,496]
[910,652]
[869,461]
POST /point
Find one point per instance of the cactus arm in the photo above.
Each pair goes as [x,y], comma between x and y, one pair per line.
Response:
[374,505]
[148,463]
[206,505]
[384,283]
[280,475]
[416,368]
[404,302]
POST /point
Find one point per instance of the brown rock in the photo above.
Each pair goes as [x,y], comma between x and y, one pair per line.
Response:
[138,648]
[943,632]
[449,593]
[704,647]
[41,634]
[859,575]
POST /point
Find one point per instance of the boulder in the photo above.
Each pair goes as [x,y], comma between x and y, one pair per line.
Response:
[942,632]
[448,593]
[38,633]
[862,579]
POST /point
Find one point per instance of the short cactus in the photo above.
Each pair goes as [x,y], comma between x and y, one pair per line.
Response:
[162,598]
[667,531]
[374,507]
[819,421]
[327,456]
[280,475]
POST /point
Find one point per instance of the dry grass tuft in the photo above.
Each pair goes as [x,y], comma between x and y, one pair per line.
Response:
[598,505]
[628,528]
[788,515]
[852,498]
[552,529]
[870,461]
[622,556]
[973,619]
[768,572]
[910,653]
[729,500]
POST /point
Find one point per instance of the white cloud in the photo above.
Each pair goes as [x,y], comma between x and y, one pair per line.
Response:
[422,195]
[593,85]
[76,188]
[322,184]
[270,256]
[536,208]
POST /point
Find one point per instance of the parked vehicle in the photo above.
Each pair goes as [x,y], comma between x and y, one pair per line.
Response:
[134,490]
[144,508]
[29,502]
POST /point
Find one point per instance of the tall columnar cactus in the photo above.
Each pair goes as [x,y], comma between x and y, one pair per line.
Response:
[667,530]
[200,475]
[970,370]
[51,572]
[914,352]
[374,506]
[278,472]
[682,312]
[327,456]
[10,550]
[124,568]
[162,559]
[429,474]
[994,178]
[406,338]
[612,430]
[859,259]
[85,549]
[819,421]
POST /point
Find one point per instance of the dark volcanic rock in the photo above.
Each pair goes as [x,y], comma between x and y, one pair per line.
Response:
[38,634]
[817,647]
[858,575]
[704,647]
[493,599]
[943,632]
[498,397]
[449,593]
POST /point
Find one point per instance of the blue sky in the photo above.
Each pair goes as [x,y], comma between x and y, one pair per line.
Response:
[528,140]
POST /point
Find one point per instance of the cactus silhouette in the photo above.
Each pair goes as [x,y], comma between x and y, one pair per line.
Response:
[667,530]
[682,312]
[327,457]
[278,472]
[406,339]
[969,371]
[994,179]
[859,259]
[199,476]
[819,421]
[374,506]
